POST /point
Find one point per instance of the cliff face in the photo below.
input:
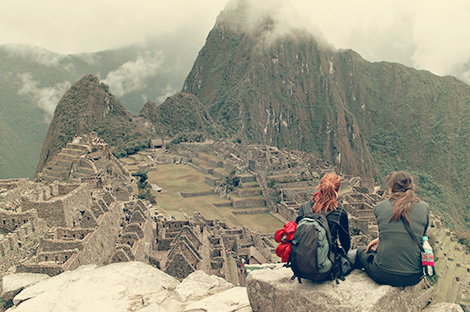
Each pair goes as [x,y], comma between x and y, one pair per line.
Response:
[283,90]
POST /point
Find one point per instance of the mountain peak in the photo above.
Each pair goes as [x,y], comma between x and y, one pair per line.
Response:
[85,105]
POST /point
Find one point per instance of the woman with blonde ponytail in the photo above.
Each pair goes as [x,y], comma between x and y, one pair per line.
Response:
[325,202]
[394,258]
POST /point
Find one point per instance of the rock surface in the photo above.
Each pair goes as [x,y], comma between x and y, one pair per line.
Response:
[273,290]
[444,307]
[131,286]
[12,284]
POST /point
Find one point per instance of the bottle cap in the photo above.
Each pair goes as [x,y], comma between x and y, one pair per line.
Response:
[425,238]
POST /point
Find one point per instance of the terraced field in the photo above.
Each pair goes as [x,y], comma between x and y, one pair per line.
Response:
[452,268]
[174,179]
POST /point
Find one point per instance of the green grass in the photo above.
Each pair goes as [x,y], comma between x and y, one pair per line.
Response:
[179,178]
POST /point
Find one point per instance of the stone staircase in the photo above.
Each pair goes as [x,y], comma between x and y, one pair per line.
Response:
[60,167]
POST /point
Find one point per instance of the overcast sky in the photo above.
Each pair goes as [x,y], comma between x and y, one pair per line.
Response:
[431,34]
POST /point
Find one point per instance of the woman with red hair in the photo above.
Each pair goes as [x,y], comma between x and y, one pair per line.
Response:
[325,202]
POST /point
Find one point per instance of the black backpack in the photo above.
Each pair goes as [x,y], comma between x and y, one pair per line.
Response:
[312,255]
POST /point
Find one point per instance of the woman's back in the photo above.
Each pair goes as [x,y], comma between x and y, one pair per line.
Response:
[397,252]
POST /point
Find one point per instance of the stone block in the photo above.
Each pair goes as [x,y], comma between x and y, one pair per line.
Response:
[273,291]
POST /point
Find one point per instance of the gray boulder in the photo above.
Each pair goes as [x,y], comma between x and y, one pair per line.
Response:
[272,290]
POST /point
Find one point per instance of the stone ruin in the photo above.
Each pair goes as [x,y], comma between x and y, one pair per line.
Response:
[73,228]
[52,226]
[286,179]
[60,226]
[183,247]
[87,159]
[290,177]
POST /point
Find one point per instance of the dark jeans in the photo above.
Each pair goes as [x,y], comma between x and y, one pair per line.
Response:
[366,261]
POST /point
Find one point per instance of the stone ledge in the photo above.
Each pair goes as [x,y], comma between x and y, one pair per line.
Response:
[273,290]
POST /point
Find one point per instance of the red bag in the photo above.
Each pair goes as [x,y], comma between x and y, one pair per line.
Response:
[284,250]
[285,247]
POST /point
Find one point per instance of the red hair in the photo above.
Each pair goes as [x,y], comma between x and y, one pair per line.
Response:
[327,197]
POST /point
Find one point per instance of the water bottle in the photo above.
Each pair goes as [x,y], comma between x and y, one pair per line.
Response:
[427,258]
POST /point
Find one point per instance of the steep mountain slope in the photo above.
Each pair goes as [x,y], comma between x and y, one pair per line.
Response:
[288,89]
[89,106]
[180,113]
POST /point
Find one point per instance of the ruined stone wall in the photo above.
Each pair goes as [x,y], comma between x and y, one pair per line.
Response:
[58,245]
[9,221]
[248,203]
[205,252]
[287,212]
[311,183]
[10,184]
[196,194]
[167,159]
[214,181]
[62,211]
[99,247]
[145,244]
[71,234]
[164,243]
[227,204]
[249,192]
[67,188]
[117,163]
[259,211]
[21,243]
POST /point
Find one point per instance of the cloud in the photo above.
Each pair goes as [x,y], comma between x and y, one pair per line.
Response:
[45,98]
[131,75]
[250,15]
[425,34]
[167,92]
[430,35]
[37,54]
[90,26]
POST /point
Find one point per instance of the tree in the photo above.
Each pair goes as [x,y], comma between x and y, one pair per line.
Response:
[142,175]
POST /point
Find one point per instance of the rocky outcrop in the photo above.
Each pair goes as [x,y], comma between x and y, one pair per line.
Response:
[135,286]
[273,290]
[131,286]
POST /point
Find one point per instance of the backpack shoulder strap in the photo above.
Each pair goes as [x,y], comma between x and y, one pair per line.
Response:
[304,209]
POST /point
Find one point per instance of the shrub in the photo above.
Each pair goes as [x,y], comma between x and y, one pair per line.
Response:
[147,195]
